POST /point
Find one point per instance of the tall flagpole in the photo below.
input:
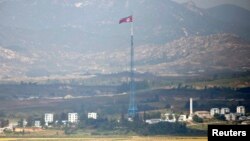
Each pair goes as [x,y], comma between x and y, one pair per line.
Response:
[132,110]
[132,106]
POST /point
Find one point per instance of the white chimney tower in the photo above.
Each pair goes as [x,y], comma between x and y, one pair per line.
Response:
[191,106]
[190,118]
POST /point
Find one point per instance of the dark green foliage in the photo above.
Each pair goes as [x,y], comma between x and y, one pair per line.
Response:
[219,117]
[152,115]
[63,116]
[147,100]
[166,128]
[25,90]
[168,106]
[145,107]
[4,123]
[70,130]
[30,121]
[140,85]
[103,124]
[20,123]
[197,119]
[162,128]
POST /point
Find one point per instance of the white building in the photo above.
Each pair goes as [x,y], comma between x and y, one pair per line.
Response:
[72,117]
[203,114]
[224,111]
[92,115]
[37,123]
[24,122]
[130,119]
[214,111]
[242,118]
[153,121]
[64,122]
[231,117]
[182,118]
[48,118]
[170,117]
[240,110]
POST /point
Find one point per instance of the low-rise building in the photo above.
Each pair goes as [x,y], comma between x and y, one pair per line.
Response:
[182,118]
[37,123]
[24,122]
[242,118]
[6,129]
[224,111]
[248,118]
[64,122]
[72,117]
[92,115]
[48,118]
[170,117]
[231,117]
[203,114]
[214,111]
[153,121]
[240,110]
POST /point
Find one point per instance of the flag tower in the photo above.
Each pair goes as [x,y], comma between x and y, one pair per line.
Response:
[132,110]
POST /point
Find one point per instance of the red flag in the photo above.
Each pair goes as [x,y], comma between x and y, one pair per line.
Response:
[126,20]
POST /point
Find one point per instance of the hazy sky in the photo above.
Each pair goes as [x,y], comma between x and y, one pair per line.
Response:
[211,3]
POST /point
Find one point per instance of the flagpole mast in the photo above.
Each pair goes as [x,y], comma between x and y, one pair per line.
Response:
[132,70]
[132,110]
[132,106]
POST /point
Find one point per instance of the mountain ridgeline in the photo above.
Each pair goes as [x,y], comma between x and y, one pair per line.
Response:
[70,38]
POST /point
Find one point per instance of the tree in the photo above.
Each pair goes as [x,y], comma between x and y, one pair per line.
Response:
[4,123]
[30,121]
[20,123]
[197,119]
[162,128]
[154,115]
[168,106]
[42,121]
[69,130]
[122,119]
[63,116]
[144,115]
[219,117]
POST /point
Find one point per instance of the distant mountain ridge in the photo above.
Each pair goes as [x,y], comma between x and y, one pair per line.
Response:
[188,56]
[93,25]
[83,36]
[231,14]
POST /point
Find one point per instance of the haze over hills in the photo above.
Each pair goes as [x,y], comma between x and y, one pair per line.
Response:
[231,14]
[47,38]
[192,56]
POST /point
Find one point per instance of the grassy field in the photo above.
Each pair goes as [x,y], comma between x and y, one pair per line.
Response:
[239,82]
[132,138]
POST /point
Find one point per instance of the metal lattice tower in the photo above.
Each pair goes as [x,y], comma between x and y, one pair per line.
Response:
[132,110]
